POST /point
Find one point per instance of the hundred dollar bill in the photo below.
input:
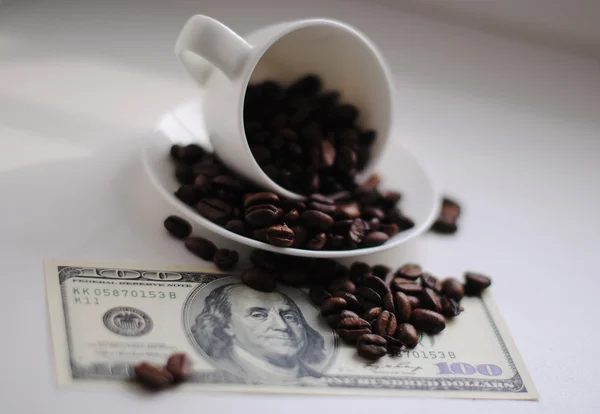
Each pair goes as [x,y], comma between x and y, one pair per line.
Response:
[105,318]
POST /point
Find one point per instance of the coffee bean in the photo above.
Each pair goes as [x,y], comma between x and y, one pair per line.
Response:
[427,280]
[201,247]
[407,334]
[430,300]
[191,153]
[403,306]
[348,210]
[184,174]
[446,223]
[226,259]
[453,289]
[327,154]
[189,194]
[334,319]
[308,85]
[428,321]
[376,284]
[317,242]
[178,227]
[259,279]
[450,307]
[411,289]
[390,229]
[300,236]
[343,284]
[350,329]
[262,215]
[386,323]
[369,295]
[375,238]
[415,303]
[180,366]
[333,306]
[237,227]
[394,346]
[401,281]
[388,302]
[373,212]
[316,219]
[475,283]
[261,198]
[381,271]
[214,210]
[372,314]
[351,300]
[409,271]
[227,182]
[152,376]
[294,276]
[356,232]
[371,346]
[358,272]
[346,159]
[174,152]
[280,235]
[291,217]
[318,295]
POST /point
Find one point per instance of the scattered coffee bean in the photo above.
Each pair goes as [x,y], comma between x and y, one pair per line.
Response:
[342,284]
[446,223]
[352,302]
[180,366]
[350,329]
[430,300]
[403,306]
[359,271]
[152,376]
[372,314]
[475,283]
[386,323]
[201,247]
[226,259]
[409,271]
[452,288]
[376,284]
[428,321]
[370,295]
[450,307]
[429,281]
[408,335]
[178,227]
[381,271]
[334,319]
[333,305]
[259,279]
[371,346]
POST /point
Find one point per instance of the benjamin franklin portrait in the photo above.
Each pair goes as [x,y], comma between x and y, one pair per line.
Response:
[261,337]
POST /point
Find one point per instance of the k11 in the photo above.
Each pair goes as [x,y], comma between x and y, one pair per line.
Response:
[463,368]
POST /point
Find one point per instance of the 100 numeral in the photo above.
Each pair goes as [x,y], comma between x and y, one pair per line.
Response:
[462,368]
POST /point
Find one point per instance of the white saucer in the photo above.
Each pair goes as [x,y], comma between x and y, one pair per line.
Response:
[420,199]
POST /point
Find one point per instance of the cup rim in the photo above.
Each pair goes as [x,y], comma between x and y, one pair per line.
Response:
[287,28]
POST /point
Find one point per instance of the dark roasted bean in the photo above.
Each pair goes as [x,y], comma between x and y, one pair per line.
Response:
[214,210]
[317,242]
[266,260]
[415,303]
[348,210]
[428,321]
[342,284]
[280,235]
[409,271]
[184,174]
[333,306]
[327,154]
[376,284]
[237,227]
[388,302]
[261,198]
[180,366]
[453,289]
[262,215]
[369,295]
[427,280]
[407,334]
[261,234]
[386,323]
[446,223]
[450,307]
[351,300]
[375,238]
[390,229]
[259,279]
[334,319]
[294,276]
[430,300]
[226,259]
[381,271]
[475,283]
[350,329]
[291,217]
[411,289]
[403,306]
[178,227]
[356,232]
[372,314]
[316,219]
[201,247]
[153,376]
[318,295]
[371,346]
[300,236]
[189,194]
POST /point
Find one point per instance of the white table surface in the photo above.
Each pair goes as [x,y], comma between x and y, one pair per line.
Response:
[510,129]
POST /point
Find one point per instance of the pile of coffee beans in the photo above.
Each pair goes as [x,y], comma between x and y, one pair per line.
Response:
[155,377]
[376,309]
[304,137]
[357,216]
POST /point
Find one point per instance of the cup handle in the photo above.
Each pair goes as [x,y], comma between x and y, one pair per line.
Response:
[205,43]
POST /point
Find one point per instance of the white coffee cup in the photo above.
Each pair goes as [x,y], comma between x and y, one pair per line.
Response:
[223,63]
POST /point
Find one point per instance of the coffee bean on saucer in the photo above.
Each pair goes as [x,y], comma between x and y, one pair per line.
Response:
[201,247]
[428,321]
[407,334]
[180,366]
[189,194]
[371,346]
[178,227]
[280,235]
[226,259]
[191,153]
[261,198]
[259,279]
[291,217]
[390,229]
[409,271]
[153,376]
[452,288]
[475,283]
[446,223]
[350,329]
